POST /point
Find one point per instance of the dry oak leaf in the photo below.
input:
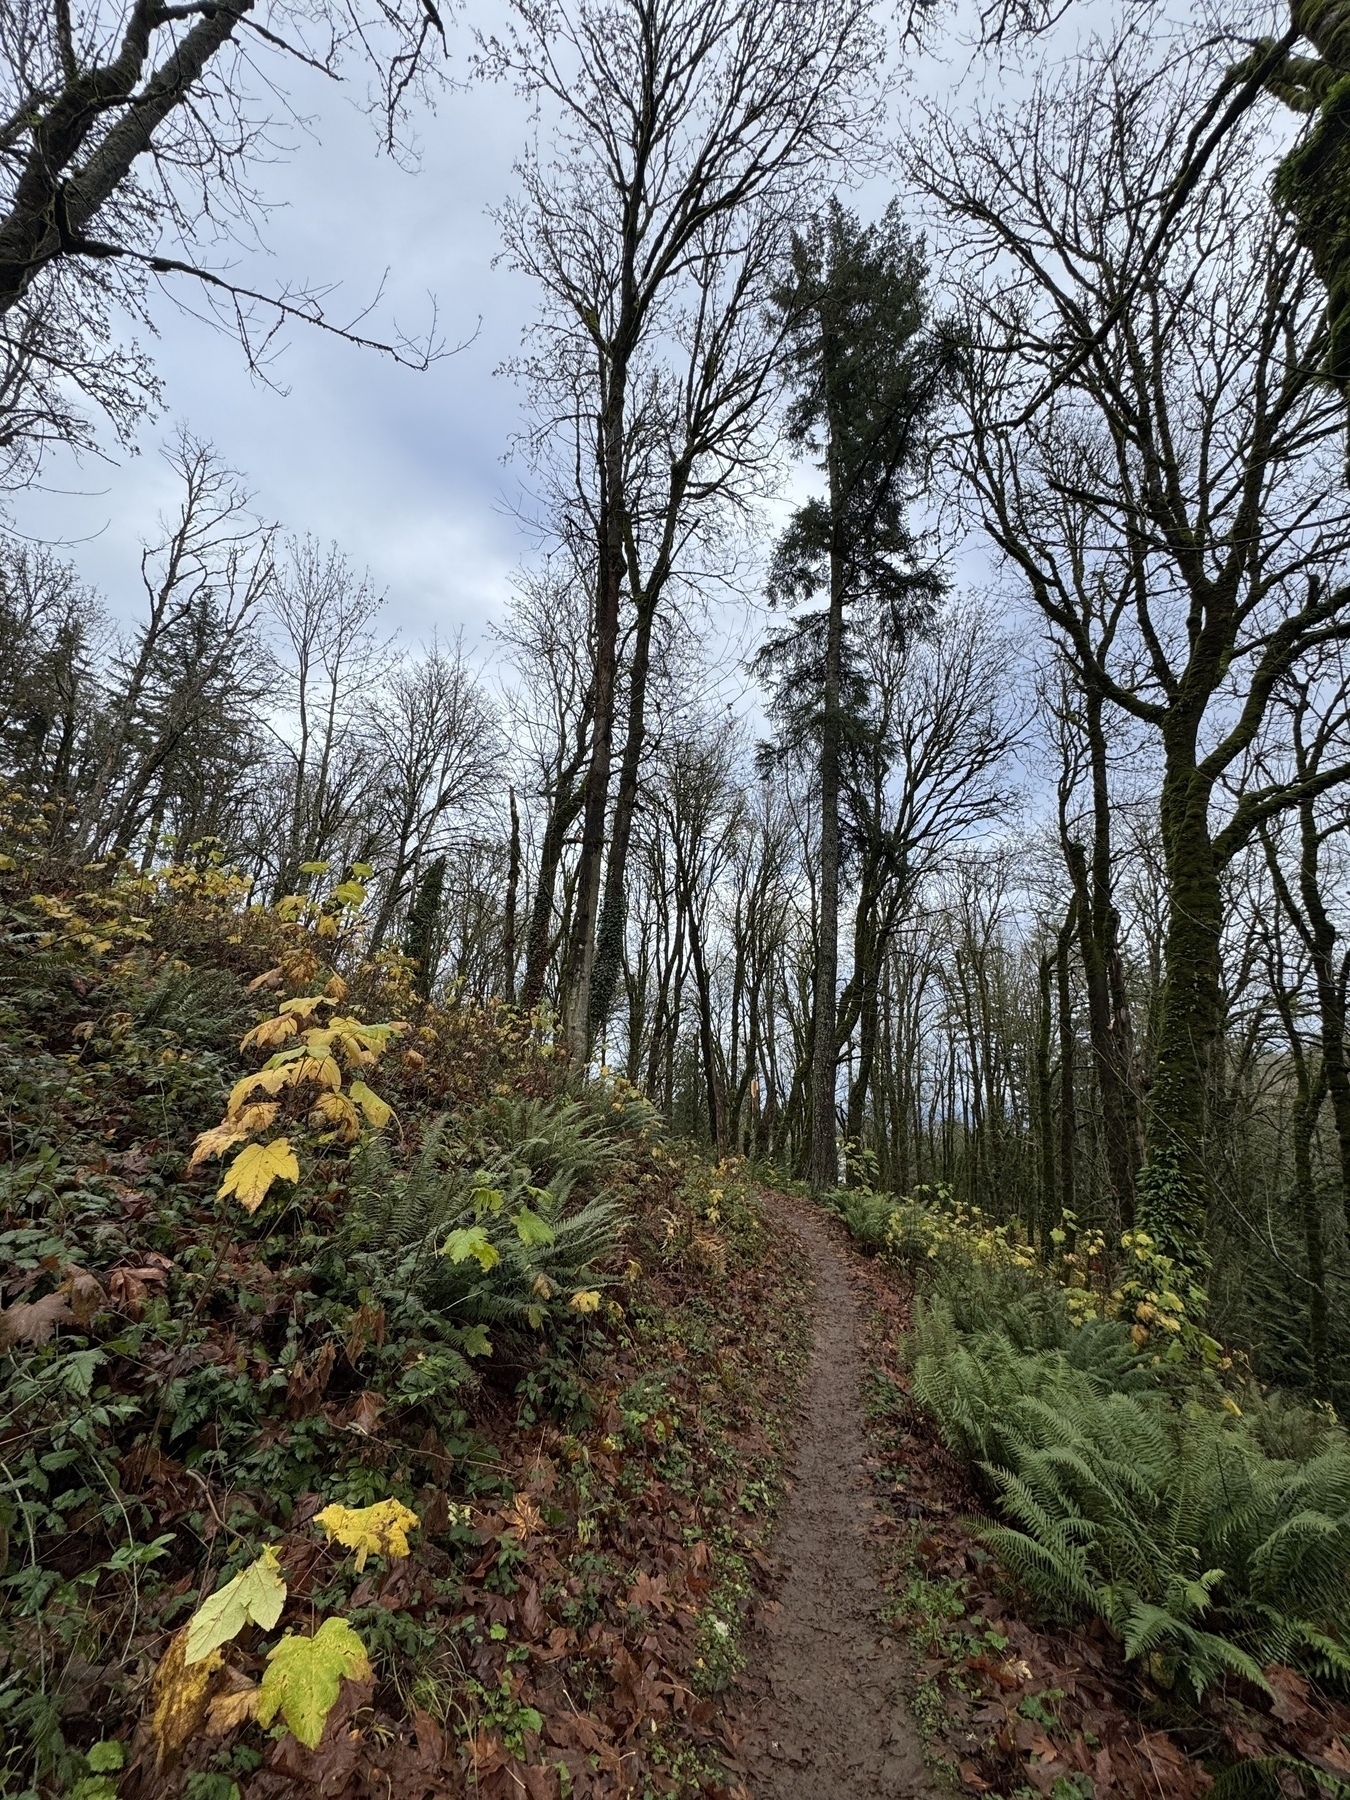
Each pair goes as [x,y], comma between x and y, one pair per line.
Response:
[179,1691]
[382,1528]
[256,1594]
[254,1170]
[304,1676]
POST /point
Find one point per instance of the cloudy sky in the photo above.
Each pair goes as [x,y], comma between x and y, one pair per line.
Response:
[409,472]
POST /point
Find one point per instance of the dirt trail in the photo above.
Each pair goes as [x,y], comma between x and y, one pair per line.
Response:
[826,1716]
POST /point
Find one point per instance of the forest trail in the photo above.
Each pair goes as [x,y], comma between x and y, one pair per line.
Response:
[825,1713]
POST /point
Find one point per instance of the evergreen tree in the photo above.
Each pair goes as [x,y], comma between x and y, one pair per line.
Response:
[867,367]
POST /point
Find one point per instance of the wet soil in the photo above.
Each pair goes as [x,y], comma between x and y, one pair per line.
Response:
[824,1711]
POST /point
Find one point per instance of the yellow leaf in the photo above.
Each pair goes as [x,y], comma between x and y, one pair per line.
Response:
[322,1069]
[304,1676]
[257,1117]
[336,1112]
[382,1528]
[179,1692]
[256,1595]
[269,1034]
[585,1300]
[270,1081]
[227,1711]
[378,1112]
[216,1142]
[254,1170]
[327,926]
[305,1007]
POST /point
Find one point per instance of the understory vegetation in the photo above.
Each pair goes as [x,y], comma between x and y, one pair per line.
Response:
[378,1404]
[1130,1470]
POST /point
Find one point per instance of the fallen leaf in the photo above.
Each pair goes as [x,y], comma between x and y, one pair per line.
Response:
[382,1528]
[87,1297]
[256,1594]
[34,1321]
[228,1711]
[305,1674]
[179,1693]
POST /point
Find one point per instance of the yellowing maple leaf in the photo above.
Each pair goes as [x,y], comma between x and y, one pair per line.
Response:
[378,1112]
[179,1693]
[270,1081]
[304,1676]
[585,1300]
[382,1528]
[254,1170]
[215,1142]
[305,1007]
[256,1595]
[270,1033]
[338,1113]
[322,1069]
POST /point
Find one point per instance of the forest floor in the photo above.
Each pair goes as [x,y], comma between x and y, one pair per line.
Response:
[824,1690]
[895,1659]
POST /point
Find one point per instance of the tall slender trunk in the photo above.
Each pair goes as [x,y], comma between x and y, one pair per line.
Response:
[614,909]
[1331,996]
[824,1156]
[1045,1101]
[539,941]
[512,895]
[1068,1114]
[1108,1018]
[608,603]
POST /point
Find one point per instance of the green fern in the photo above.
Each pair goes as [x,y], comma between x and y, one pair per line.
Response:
[1205,1554]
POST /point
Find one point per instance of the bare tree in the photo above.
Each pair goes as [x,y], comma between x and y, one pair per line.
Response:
[1171,507]
[215,561]
[326,615]
[673,118]
[125,129]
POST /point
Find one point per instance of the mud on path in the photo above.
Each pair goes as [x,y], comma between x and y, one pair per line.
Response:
[824,1715]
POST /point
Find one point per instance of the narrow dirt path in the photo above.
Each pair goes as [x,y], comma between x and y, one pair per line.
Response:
[826,1716]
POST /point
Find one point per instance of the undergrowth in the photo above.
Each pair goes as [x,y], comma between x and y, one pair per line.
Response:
[396,1322]
[1134,1475]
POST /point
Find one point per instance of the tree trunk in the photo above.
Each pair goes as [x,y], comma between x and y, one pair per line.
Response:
[1174,1184]
[824,1162]
[614,911]
[509,915]
[1068,1113]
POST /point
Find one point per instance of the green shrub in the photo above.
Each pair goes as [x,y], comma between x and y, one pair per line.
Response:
[1203,1552]
[487,1226]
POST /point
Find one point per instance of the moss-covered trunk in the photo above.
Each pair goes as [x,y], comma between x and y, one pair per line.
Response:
[1174,1185]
